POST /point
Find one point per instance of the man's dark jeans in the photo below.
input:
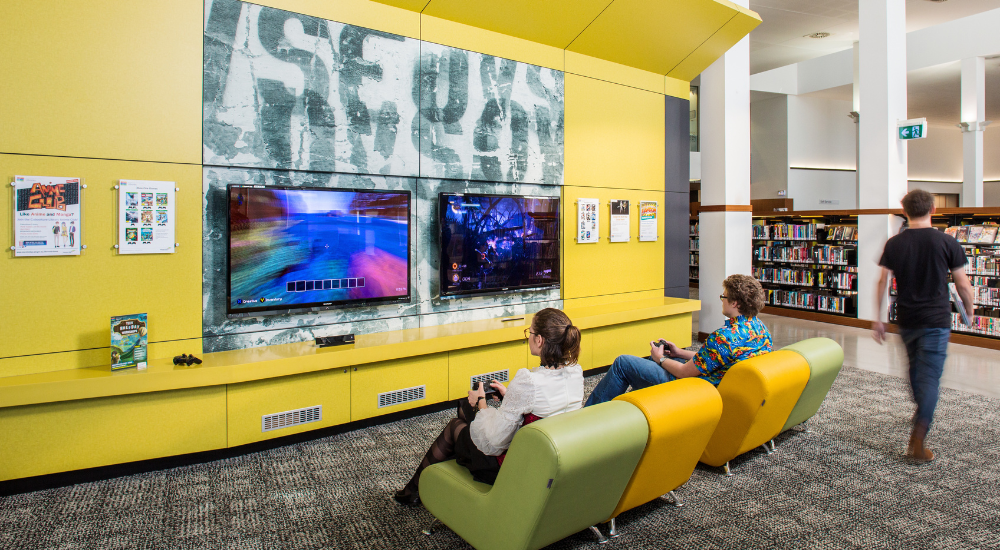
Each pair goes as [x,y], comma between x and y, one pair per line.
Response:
[927,349]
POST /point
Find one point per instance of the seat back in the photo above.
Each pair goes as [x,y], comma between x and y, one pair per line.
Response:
[682,415]
[825,358]
[758,394]
[563,474]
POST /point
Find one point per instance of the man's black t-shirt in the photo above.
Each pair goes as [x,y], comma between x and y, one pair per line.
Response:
[921,259]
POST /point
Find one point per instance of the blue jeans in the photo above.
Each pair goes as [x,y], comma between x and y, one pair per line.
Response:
[628,370]
[926,349]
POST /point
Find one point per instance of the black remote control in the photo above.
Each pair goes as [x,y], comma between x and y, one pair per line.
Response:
[327,341]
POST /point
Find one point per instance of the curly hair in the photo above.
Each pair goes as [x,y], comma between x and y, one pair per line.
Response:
[917,203]
[746,292]
[562,338]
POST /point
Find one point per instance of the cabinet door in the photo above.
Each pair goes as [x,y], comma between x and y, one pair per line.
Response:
[500,360]
[393,386]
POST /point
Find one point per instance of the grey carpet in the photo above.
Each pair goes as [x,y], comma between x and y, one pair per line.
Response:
[845,486]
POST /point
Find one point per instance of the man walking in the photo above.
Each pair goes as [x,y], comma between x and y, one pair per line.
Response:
[920,258]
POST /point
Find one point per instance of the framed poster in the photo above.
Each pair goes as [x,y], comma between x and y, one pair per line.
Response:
[647,220]
[47,216]
[146,217]
[588,221]
[621,231]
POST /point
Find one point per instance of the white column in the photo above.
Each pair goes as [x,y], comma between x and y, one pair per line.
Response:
[725,236]
[882,155]
[973,114]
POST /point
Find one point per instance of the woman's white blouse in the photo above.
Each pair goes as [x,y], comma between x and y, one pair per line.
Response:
[540,391]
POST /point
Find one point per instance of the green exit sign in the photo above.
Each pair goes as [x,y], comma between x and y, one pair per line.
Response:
[912,129]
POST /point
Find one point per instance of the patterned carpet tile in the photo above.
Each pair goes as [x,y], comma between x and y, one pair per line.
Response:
[845,485]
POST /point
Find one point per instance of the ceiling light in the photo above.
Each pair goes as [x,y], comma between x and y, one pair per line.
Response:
[937,1]
[817,35]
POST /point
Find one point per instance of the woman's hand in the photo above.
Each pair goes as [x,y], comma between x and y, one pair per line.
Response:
[500,388]
[477,394]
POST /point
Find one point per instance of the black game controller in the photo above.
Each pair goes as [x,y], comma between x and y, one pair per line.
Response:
[486,388]
[663,345]
[185,359]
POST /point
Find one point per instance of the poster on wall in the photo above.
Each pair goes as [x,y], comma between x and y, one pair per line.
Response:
[620,222]
[145,217]
[647,220]
[47,218]
[128,341]
[588,225]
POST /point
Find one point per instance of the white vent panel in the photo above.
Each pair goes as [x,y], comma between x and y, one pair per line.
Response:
[288,419]
[499,376]
[399,397]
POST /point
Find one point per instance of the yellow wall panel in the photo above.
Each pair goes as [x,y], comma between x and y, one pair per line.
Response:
[585,65]
[66,303]
[60,437]
[587,350]
[614,135]
[634,338]
[573,303]
[48,362]
[249,401]
[456,35]
[362,13]
[675,87]
[715,47]
[107,79]
[370,380]
[605,268]
[464,364]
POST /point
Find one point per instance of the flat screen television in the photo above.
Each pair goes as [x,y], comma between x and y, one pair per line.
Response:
[498,243]
[296,249]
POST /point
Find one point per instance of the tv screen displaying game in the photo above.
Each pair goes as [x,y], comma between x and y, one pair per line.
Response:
[494,243]
[302,249]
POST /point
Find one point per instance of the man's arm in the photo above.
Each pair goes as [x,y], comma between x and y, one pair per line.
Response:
[964,288]
[676,368]
[878,327]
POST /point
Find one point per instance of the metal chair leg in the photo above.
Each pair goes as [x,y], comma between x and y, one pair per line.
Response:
[808,430]
[601,539]
[767,449]
[614,530]
[429,530]
[676,499]
[728,472]
[772,446]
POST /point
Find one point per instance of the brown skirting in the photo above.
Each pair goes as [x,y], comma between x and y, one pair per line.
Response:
[725,208]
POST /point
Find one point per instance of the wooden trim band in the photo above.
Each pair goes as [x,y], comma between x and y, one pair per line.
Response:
[726,208]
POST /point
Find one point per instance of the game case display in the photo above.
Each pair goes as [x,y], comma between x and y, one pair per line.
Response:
[146,214]
[128,341]
[588,220]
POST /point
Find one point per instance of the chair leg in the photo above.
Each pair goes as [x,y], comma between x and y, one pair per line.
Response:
[601,539]
[676,500]
[767,449]
[429,530]
[614,530]
[808,430]
[728,471]
[772,446]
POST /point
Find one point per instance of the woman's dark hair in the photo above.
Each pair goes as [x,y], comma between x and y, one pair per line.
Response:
[562,339]
[917,203]
[746,292]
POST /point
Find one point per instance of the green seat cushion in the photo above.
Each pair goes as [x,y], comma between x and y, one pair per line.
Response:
[825,358]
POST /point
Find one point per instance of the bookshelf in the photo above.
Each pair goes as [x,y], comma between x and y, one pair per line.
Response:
[693,249]
[807,263]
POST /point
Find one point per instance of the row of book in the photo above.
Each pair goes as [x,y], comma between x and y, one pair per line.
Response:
[784,276]
[842,233]
[979,280]
[831,304]
[837,280]
[982,295]
[783,253]
[692,244]
[983,265]
[836,255]
[986,326]
[785,231]
[694,230]
[785,298]
[981,234]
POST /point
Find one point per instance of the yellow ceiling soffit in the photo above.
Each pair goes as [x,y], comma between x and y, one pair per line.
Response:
[676,38]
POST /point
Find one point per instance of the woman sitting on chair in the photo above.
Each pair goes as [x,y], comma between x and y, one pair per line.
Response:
[478,438]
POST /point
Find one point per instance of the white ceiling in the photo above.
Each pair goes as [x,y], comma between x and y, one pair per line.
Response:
[780,39]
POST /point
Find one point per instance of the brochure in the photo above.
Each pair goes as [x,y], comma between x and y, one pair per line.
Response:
[47,218]
[588,221]
[620,222]
[128,341]
[647,221]
[146,217]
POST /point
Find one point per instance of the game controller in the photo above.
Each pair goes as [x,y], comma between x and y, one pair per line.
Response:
[185,359]
[486,388]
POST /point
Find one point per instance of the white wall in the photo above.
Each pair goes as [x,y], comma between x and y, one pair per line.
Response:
[938,157]
[823,189]
[821,134]
[769,147]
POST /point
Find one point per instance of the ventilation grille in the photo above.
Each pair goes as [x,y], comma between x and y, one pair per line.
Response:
[499,376]
[397,397]
[288,419]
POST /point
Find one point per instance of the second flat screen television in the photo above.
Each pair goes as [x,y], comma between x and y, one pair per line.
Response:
[498,243]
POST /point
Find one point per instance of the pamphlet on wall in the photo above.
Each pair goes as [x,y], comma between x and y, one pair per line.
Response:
[47,219]
[128,341]
[647,220]
[620,222]
[588,221]
[145,217]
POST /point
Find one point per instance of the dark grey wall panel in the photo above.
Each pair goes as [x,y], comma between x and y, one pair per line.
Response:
[676,207]
[678,144]
[675,239]
[677,292]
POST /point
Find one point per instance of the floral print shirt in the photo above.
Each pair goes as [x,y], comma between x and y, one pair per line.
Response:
[740,339]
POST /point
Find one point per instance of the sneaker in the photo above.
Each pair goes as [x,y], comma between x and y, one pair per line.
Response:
[406,499]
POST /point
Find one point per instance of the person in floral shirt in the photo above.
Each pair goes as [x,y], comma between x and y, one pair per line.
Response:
[744,336]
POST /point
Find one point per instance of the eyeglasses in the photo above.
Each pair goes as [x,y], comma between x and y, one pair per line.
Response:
[528,331]
[723,296]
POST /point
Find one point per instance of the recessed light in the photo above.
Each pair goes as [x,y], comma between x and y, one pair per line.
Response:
[937,1]
[817,35]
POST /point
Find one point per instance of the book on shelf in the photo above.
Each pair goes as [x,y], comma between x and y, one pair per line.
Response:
[975,233]
[989,234]
[963,234]
[952,231]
